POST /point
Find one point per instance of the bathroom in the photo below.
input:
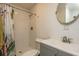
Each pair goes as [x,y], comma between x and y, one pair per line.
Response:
[35,29]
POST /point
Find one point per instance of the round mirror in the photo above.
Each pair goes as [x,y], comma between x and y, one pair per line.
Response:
[67,13]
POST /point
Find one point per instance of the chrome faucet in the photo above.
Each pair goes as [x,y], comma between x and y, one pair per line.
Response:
[66,40]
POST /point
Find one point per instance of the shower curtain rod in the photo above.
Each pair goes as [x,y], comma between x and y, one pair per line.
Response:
[26,10]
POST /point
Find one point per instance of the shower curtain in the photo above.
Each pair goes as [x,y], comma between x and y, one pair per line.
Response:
[9,42]
[1,34]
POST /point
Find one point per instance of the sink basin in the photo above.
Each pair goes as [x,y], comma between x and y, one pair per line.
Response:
[64,46]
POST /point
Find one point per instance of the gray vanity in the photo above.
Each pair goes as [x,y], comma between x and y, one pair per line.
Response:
[55,47]
[46,50]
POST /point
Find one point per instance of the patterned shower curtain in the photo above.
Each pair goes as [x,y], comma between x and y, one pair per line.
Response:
[9,42]
[1,34]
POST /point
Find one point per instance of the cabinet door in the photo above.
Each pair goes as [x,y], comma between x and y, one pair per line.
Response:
[62,53]
[47,50]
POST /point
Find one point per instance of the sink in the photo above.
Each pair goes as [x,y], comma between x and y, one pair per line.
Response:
[57,43]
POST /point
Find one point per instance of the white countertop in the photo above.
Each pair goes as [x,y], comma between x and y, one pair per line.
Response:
[71,48]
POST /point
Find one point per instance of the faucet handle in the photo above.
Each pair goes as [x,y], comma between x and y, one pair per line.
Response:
[69,40]
[65,38]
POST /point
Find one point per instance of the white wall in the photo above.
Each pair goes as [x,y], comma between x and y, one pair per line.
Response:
[48,26]
[21,31]
[32,32]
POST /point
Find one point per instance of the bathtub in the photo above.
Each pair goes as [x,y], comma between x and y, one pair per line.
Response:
[31,52]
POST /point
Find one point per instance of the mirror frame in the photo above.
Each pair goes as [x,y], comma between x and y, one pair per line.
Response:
[75,18]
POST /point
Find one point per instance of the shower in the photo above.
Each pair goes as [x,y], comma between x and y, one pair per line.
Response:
[18,30]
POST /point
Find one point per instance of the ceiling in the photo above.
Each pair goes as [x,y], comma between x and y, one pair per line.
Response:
[25,5]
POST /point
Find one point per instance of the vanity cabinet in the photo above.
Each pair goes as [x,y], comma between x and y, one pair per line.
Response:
[46,50]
